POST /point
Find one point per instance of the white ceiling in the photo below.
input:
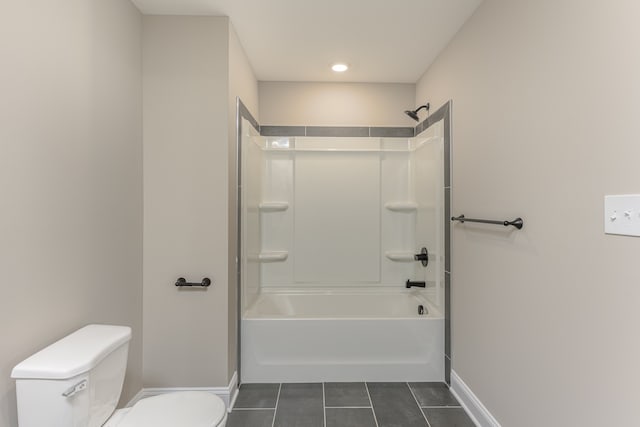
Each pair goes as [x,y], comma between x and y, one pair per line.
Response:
[298,40]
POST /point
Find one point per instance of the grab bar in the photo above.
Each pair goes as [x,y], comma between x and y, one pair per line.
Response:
[517,223]
[206,282]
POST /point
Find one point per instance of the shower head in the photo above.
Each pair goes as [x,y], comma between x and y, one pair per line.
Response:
[414,114]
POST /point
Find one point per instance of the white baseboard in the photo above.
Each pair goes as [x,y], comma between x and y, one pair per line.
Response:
[472,405]
[227,394]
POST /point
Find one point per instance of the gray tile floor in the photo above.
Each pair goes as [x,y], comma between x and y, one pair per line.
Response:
[347,405]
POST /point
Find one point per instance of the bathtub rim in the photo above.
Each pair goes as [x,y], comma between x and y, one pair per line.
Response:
[434,313]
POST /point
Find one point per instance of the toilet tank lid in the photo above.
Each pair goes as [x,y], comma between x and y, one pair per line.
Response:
[74,354]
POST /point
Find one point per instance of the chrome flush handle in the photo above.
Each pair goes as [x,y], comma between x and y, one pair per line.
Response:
[75,388]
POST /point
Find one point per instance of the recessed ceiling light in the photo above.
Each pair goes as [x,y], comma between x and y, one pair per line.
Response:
[339,68]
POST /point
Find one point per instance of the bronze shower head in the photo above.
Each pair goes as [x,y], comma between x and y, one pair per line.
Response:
[414,113]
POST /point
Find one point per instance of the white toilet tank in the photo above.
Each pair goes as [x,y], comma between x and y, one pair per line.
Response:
[76,381]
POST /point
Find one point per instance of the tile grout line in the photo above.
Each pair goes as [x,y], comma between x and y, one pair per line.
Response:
[254,409]
[375,418]
[348,407]
[442,407]
[273,422]
[417,403]
[324,407]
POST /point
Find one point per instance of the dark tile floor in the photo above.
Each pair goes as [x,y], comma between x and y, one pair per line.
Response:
[347,405]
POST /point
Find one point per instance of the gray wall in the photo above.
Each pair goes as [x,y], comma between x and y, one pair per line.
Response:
[70,177]
[546,98]
[336,104]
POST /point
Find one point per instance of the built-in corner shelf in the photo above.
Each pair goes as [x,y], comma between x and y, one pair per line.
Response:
[400,256]
[273,206]
[276,256]
[401,206]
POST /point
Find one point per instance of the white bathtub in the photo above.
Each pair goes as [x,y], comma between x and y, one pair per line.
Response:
[342,336]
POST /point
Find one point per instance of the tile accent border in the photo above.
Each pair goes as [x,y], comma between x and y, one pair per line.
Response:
[338,131]
[471,404]
[393,132]
[227,394]
[243,112]
[283,131]
[442,113]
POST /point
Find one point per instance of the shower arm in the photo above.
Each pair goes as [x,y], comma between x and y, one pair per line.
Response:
[425,106]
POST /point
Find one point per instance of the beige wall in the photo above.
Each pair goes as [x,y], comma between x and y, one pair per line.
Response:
[242,84]
[546,99]
[242,81]
[193,68]
[336,104]
[70,177]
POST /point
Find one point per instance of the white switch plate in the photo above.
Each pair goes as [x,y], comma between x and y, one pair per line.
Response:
[622,214]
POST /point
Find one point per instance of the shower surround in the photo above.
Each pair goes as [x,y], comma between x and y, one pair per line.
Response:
[330,226]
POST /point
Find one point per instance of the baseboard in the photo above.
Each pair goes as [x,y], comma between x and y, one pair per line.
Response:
[227,394]
[472,405]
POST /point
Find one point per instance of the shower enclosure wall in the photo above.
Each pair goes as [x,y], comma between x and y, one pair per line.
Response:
[330,227]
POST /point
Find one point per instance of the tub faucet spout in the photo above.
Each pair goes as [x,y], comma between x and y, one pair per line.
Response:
[411,284]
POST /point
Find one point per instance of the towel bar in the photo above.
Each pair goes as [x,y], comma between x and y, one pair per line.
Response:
[517,223]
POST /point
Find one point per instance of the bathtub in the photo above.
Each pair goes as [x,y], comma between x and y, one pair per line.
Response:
[341,336]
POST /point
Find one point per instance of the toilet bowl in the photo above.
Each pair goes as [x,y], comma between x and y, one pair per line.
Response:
[187,408]
[77,381]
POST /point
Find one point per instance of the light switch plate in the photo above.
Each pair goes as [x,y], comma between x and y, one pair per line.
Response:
[622,214]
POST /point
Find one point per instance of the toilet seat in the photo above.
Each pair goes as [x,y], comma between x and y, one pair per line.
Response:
[184,409]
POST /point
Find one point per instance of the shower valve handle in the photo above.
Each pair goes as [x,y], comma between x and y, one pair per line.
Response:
[423,257]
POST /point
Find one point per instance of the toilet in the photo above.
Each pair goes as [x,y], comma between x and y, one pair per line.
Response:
[77,381]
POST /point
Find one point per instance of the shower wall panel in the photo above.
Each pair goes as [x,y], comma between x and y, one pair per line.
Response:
[398,225]
[428,178]
[337,222]
[340,212]
[277,225]
[252,165]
